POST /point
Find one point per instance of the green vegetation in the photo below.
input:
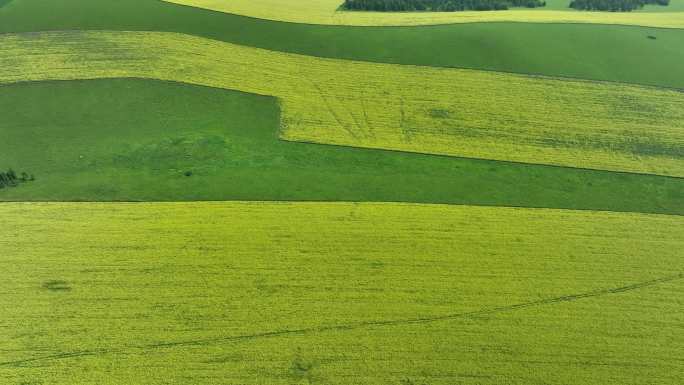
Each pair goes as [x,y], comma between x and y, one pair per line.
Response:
[597,52]
[11,179]
[673,6]
[329,12]
[337,294]
[129,139]
[527,119]
[268,231]
[437,5]
[614,5]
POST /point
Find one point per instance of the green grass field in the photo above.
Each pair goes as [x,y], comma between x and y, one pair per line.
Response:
[419,109]
[136,139]
[269,293]
[199,197]
[613,53]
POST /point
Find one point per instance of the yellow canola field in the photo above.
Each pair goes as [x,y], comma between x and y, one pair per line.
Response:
[331,291]
[457,112]
[326,12]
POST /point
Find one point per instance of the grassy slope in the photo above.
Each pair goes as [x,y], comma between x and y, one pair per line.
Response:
[593,125]
[177,293]
[135,139]
[585,51]
[327,12]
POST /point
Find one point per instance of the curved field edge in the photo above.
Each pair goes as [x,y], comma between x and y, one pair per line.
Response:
[589,51]
[325,12]
[581,124]
[150,140]
[309,290]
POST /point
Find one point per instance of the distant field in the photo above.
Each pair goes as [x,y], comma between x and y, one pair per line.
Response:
[589,51]
[443,111]
[128,139]
[327,12]
[273,293]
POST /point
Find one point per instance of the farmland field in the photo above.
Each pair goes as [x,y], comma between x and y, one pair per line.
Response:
[279,192]
[597,52]
[327,12]
[275,293]
[420,109]
[131,139]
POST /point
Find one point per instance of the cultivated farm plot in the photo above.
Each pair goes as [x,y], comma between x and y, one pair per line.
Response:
[150,140]
[458,112]
[327,12]
[585,51]
[283,293]
[540,241]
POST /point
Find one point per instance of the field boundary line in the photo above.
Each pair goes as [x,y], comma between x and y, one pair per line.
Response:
[486,159]
[328,201]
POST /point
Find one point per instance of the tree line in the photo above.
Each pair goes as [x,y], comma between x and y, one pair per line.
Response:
[438,5]
[11,179]
[614,5]
[489,5]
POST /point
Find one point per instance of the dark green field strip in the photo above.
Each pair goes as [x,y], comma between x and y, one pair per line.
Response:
[146,140]
[599,52]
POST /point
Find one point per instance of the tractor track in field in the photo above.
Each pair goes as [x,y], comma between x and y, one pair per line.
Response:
[352,326]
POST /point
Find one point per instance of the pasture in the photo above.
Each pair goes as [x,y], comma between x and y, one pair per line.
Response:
[596,52]
[144,140]
[286,293]
[327,12]
[419,109]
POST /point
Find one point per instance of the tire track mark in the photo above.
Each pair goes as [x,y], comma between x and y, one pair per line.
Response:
[355,326]
[420,320]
